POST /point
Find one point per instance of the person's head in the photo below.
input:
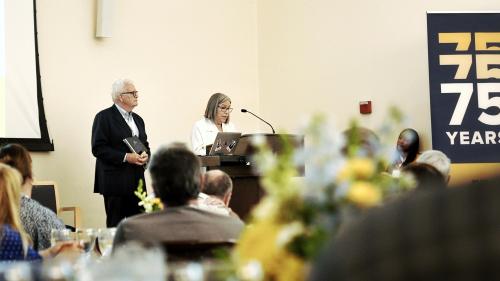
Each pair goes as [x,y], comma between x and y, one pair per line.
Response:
[438,160]
[10,200]
[176,174]
[426,176]
[124,94]
[365,140]
[218,108]
[18,157]
[218,183]
[408,144]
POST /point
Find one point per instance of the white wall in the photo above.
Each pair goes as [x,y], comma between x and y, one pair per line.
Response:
[177,52]
[281,58]
[327,56]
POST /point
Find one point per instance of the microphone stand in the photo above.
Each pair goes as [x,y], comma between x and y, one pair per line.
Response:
[245,111]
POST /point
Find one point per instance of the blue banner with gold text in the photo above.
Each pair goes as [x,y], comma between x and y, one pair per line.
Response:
[464,78]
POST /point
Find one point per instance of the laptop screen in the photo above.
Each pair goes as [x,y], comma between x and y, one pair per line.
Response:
[224,143]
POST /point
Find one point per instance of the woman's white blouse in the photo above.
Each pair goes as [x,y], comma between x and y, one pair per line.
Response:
[204,133]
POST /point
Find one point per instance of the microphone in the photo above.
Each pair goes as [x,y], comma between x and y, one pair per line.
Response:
[245,111]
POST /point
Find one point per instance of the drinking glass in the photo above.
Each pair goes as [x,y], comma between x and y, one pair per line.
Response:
[86,238]
[105,238]
[59,235]
[17,271]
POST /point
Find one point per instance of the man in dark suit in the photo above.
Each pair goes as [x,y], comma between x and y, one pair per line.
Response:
[176,176]
[442,234]
[117,170]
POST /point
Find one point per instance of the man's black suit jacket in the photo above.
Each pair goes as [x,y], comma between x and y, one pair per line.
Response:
[113,177]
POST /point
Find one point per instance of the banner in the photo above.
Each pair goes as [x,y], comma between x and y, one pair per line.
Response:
[464,78]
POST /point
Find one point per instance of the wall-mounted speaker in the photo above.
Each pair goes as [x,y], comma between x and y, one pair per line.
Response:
[104,21]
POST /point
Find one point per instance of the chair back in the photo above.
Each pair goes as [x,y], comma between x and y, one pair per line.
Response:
[45,192]
[195,250]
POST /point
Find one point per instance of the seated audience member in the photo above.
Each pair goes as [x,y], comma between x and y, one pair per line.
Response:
[365,140]
[438,160]
[36,219]
[447,234]
[216,192]
[407,148]
[176,178]
[427,177]
[14,242]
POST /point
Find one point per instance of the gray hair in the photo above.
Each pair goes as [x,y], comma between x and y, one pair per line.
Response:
[437,159]
[217,183]
[118,87]
[212,105]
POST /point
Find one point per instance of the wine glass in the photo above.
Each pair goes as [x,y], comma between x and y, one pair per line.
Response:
[86,238]
[105,238]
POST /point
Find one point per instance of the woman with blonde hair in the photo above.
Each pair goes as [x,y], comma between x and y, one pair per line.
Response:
[14,242]
[36,219]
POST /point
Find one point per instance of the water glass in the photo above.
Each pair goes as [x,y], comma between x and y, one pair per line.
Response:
[59,235]
[105,238]
[19,271]
[86,238]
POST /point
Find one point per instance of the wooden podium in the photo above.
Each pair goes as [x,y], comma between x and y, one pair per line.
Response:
[247,190]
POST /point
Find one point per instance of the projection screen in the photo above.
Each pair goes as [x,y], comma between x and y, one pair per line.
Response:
[22,117]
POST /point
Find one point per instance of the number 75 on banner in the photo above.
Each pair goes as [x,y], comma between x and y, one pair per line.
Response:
[484,42]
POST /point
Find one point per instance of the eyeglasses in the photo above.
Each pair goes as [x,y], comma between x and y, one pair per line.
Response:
[225,109]
[133,93]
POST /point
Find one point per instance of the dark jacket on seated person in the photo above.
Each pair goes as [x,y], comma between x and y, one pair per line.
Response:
[184,223]
[441,234]
[177,178]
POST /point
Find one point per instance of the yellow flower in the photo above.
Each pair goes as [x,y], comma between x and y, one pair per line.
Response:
[357,168]
[259,243]
[364,194]
[157,202]
[292,268]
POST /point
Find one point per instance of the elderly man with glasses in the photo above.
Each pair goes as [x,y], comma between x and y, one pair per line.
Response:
[118,171]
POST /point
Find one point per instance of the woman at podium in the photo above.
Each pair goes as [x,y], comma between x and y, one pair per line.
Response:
[216,119]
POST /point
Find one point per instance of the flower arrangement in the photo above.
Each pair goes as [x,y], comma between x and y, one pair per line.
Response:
[148,202]
[345,174]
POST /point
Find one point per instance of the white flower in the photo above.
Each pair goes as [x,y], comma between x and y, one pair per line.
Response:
[266,161]
[258,139]
[252,270]
[289,232]
[147,202]
[322,156]
[341,190]
[266,208]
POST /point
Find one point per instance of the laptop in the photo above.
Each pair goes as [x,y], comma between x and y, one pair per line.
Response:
[224,143]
